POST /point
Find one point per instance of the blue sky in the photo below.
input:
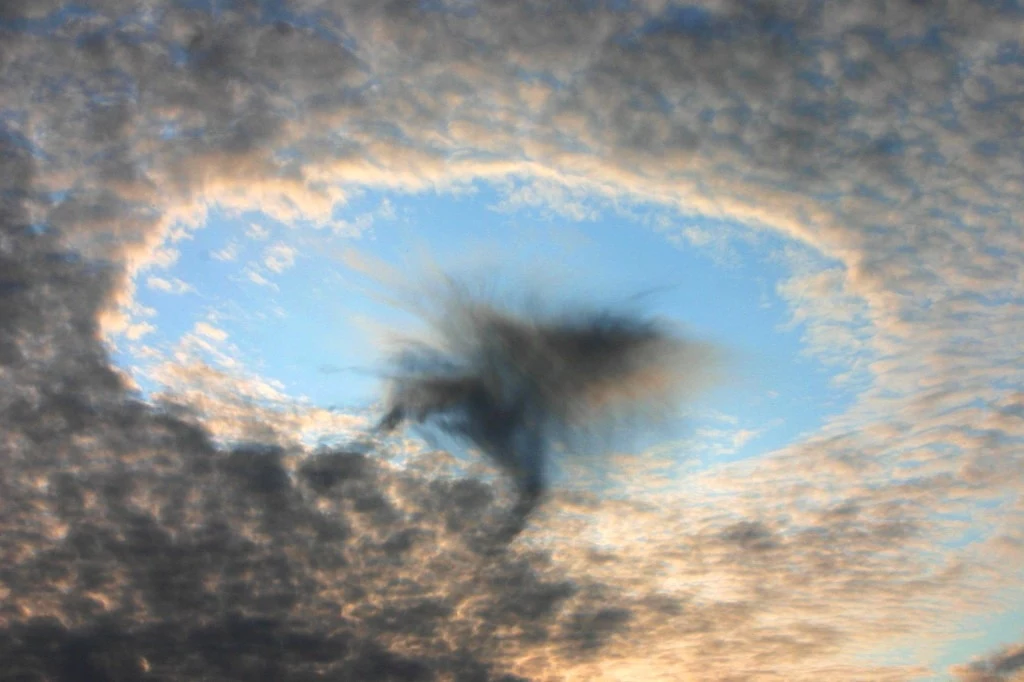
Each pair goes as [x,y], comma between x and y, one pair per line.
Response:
[302,326]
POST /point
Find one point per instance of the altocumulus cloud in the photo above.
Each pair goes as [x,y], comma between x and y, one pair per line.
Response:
[882,137]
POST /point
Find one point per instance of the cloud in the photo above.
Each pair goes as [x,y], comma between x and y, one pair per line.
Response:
[1004,665]
[719,442]
[208,330]
[134,332]
[228,253]
[257,232]
[554,198]
[256,277]
[171,285]
[279,257]
[516,383]
[880,138]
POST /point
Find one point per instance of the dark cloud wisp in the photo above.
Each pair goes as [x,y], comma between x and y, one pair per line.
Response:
[515,384]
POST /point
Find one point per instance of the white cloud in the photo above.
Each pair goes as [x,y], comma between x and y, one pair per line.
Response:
[228,253]
[257,232]
[720,442]
[553,199]
[170,285]
[137,330]
[353,228]
[279,257]
[253,275]
[211,332]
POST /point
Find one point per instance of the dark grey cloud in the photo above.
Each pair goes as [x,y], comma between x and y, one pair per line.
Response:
[1004,665]
[135,548]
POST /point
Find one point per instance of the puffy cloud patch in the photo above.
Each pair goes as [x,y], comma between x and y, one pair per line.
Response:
[279,257]
[171,285]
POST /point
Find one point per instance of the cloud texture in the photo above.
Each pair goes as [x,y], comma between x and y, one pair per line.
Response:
[882,138]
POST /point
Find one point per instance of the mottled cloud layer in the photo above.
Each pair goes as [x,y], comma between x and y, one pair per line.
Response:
[882,138]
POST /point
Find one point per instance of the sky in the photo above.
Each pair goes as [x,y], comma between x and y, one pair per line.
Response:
[207,209]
